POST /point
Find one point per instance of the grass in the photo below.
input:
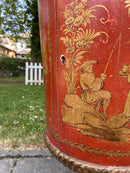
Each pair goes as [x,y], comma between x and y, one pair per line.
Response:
[12,79]
[22,116]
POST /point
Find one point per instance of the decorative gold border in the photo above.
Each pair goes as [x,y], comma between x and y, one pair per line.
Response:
[50,58]
[82,166]
[96,151]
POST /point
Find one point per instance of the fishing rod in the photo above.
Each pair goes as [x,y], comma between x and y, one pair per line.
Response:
[118,40]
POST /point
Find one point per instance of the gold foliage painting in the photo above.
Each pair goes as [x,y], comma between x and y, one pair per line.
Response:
[79,111]
[78,37]
[128,6]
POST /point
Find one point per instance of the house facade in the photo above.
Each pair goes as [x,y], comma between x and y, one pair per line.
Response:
[7,51]
[7,46]
[13,48]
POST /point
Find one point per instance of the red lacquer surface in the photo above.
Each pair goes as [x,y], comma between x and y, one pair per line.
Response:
[111,49]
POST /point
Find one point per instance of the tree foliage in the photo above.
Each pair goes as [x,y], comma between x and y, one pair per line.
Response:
[21,16]
[35,39]
[14,17]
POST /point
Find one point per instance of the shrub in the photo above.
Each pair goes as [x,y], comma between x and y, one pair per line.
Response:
[14,66]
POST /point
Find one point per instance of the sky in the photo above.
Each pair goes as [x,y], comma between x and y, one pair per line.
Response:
[13,19]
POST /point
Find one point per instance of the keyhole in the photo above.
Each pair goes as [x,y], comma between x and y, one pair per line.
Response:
[62,58]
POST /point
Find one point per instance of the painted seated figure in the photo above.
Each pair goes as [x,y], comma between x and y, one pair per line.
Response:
[92,87]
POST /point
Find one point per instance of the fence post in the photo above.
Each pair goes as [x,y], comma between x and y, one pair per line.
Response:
[40,68]
[26,73]
[31,73]
[35,73]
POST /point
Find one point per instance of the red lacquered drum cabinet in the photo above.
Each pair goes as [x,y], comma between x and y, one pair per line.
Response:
[86,60]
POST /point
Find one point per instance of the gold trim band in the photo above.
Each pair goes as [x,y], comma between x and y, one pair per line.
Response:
[96,151]
[82,166]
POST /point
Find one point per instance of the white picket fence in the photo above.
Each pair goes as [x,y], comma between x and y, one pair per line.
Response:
[33,74]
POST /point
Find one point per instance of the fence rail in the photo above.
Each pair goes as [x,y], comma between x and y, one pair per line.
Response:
[33,74]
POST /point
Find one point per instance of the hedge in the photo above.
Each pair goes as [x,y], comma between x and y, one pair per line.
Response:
[14,66]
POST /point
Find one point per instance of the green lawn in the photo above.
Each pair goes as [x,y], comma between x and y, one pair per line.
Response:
[22,117]
[12,79]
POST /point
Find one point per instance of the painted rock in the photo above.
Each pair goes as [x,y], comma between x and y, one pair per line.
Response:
[86,60]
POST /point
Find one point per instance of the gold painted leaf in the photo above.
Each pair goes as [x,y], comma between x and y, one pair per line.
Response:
[78,57]
[69,20]
[85,39]
[77,69]
[91,34]
[86,22]
[79,36]
[66,75]
[67,41]
[67,13]
[67,30]
[87,16]
[79,54]
[84,1]
[78,20]
[128,41]
[78,8]
[74,74]
[87,13]
[81,44]
[67,63]
[76,61]
[128,5]
[129,11]
[72,89]
[70,50]
[80,29]
[127,1]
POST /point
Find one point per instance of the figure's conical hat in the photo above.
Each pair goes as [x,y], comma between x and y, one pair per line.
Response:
[89,62]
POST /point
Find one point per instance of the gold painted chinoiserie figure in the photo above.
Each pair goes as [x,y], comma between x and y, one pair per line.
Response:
[92,87]
[125,72]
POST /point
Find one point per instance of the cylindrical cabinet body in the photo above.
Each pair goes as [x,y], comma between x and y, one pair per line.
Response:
[86,60]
